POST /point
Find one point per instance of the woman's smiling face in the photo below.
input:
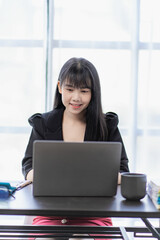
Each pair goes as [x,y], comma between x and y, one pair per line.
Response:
[75,100]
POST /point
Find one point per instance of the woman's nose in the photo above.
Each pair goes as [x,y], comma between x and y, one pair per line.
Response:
[76,96]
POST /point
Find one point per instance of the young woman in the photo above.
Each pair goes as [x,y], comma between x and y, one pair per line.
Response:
[77,116]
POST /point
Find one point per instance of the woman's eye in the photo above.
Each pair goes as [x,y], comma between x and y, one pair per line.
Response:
[84,91]
[69,89]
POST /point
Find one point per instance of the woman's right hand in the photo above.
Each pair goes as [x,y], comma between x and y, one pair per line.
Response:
[30,175]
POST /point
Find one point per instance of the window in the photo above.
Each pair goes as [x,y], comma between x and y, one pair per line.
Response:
[22,90]
[121,38]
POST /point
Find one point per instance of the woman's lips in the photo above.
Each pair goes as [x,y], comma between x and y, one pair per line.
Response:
[76,105]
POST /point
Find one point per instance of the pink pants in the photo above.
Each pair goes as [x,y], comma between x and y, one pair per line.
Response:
[62,221]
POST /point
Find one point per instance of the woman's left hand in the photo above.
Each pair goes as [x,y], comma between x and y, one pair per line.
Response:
[119,178]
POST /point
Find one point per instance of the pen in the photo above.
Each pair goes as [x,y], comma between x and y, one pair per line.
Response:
[23,184]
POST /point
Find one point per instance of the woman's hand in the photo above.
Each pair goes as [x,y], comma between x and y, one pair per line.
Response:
[30,175]
[119,178]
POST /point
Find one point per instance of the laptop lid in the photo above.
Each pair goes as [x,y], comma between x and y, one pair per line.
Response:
[75,168]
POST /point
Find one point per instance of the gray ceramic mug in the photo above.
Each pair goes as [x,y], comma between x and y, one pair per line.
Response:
[133,185]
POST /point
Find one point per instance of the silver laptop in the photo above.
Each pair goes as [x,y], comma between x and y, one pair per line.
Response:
[75,168]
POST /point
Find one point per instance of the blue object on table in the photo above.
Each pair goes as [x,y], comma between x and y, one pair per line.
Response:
[6,190]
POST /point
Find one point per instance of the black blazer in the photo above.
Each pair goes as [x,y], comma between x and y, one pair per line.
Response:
[48,126]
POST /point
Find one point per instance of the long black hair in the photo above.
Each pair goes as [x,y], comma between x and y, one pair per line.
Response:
[79,72]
